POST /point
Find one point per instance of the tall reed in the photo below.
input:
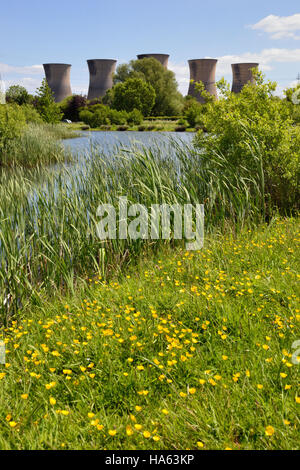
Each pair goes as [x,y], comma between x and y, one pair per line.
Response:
[48,239]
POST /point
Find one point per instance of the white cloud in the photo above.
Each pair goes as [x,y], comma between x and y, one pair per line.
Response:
[27,70]
[30,83]
[182,76]
[279,27]
[266,58]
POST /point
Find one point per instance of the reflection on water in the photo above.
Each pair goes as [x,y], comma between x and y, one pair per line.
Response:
[110,139]
[107,141]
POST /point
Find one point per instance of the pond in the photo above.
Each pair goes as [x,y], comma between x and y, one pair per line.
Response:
[107,141]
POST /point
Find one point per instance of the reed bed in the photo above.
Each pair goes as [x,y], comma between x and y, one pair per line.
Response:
[39,144]
[48,239]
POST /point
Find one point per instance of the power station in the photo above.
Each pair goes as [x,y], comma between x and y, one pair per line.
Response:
[58,78]
[162,58]
[101,76]
[242,75]
[102,71]
[203,70]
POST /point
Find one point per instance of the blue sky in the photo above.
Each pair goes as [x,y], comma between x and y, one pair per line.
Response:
[33,32]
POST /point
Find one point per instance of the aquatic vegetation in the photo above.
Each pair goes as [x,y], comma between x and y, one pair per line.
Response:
[48,240]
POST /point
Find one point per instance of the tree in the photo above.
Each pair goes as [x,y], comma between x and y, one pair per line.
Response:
[71,107]
[46,105]
[168,100]
[134,93]
[18,94]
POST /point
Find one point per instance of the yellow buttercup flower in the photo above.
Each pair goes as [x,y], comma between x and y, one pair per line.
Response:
[269,431]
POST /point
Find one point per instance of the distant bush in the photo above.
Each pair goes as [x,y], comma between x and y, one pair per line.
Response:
[163,118]
[31,114]
[194,114]
[135,117]
[95,116]
[182,122]
[18,94]
[117,117]
[95,101]
[71,107]
[100,115]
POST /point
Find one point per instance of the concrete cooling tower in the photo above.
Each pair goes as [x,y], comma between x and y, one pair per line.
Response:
[162,58]
[203,70]
[241,75]
[101,76]
[58,78]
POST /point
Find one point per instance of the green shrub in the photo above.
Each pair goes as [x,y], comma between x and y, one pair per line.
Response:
[194,114]
[31,114]
[253,133]
[118,117]
[12,122]
[135,117]
[95,116]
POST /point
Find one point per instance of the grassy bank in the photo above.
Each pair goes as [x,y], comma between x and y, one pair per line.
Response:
[39,144]
[189,350]
[147,125]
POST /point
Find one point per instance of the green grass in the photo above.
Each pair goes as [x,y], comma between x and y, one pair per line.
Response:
[184,350]
[39,144]
[48,239]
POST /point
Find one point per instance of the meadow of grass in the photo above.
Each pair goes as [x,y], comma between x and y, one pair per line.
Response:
[184,350]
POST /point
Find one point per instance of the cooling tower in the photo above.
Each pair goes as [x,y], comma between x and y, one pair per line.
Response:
[58,78]
[162,58]
[203,70]
[101,76]
[241,75]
